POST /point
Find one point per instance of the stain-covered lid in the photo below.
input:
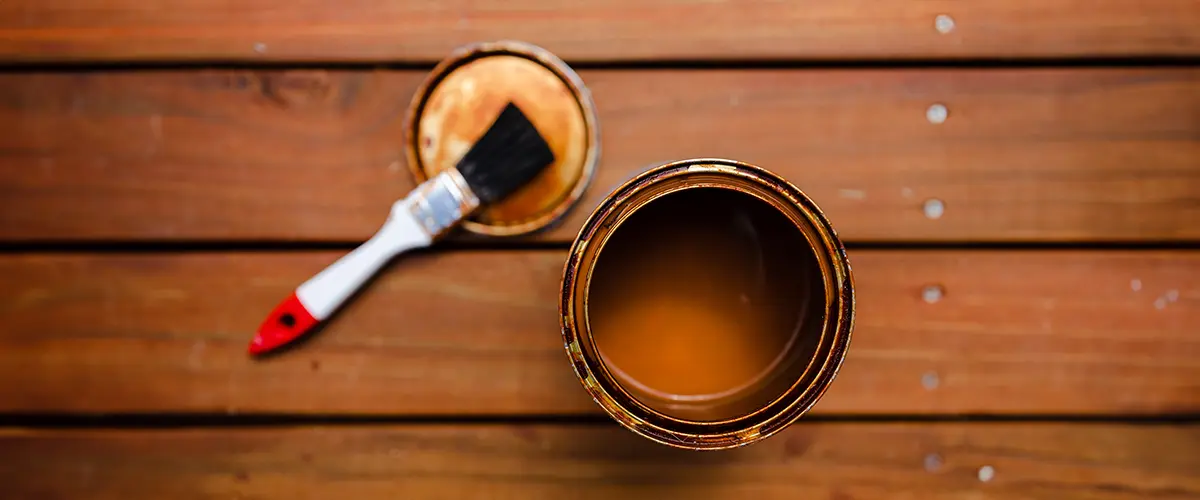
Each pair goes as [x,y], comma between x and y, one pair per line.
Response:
[465,93]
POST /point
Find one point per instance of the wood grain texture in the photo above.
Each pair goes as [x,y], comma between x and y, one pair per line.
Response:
[1026,155]
[839,461]
[608,30]
[1016,332]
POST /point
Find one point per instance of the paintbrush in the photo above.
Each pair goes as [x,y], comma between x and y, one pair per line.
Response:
[508,155]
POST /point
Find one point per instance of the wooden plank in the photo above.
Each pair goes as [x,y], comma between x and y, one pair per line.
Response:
[1026,155]
[826,460]
[608,30]
[1020,332]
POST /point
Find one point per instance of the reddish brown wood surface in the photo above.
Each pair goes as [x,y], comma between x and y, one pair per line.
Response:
[476,332]
[829,460]
[1029,155]
[254,154]
[608,30]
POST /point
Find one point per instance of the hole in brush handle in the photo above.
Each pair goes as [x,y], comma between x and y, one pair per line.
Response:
[288,321]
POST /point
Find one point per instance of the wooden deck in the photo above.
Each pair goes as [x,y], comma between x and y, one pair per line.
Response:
[169,171]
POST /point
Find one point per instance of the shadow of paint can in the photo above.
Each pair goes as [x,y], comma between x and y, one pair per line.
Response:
[706,304]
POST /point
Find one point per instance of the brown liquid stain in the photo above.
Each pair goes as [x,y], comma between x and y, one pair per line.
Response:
[466,102]
[702,304]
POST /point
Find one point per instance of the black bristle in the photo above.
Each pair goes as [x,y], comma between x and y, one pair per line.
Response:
[507,157]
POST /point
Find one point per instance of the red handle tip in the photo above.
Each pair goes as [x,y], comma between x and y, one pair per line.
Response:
[288,321]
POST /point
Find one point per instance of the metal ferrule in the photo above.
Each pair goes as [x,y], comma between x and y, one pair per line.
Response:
[442,202]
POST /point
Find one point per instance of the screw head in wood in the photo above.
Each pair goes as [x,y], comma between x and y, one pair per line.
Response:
[937,114]
[933,462]
[930,381]
[934,208]
[943,23]
[932,293]
[986,473]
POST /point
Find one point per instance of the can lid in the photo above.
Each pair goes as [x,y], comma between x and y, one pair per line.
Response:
[464,94]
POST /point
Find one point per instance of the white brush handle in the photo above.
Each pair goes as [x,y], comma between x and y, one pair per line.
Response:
[430,210]
[316,299]
[322,294]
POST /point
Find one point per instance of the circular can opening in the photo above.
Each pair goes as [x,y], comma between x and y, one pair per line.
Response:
[707,304]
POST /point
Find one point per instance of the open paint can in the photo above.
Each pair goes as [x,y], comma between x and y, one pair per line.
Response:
[707,304]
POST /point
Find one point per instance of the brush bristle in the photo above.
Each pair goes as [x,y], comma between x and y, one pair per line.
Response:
[509,155]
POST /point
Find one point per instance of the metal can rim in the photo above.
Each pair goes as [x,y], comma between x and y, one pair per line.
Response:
[696,435]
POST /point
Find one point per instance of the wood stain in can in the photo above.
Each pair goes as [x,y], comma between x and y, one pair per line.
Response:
[707,304]
[698,301]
